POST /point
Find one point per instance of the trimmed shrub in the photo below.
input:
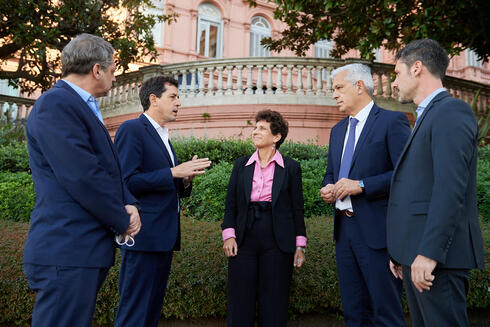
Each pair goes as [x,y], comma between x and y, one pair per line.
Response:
[197,282]
[14,157]
[11,133]
[209,191]
[17,197]
[218,150]
[207,201]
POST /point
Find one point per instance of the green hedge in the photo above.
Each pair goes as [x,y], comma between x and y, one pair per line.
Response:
[14,157]
[17,197]
[229,150]
[197,284]
[207,201]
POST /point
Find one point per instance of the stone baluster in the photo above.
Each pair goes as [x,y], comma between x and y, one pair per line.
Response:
[112,96]
[192,91]
[309,82]
[328,86]
[239,85]
[299,82]
[269,80]
[2,115]
[249,80]
[380,84]
[259,80]
[279,90]
[229,80]
[210,81]
[183,84]
[18,114]
[201,81]
[319,82]
[388,86]
[9,112]
[220,80]
[289,82]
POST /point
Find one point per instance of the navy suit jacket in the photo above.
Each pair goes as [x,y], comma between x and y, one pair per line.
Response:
[287,202]
[377,150]
[433,204]
[146,167]
[80,193]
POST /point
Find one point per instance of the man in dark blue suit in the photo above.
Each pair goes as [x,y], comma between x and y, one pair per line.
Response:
[364,148]
[434,234]
[81,198]
[153,175]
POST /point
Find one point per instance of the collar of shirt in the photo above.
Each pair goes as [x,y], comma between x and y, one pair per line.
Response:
[428,99]
[255,158]
[158,128]
[81,92]
[364,113]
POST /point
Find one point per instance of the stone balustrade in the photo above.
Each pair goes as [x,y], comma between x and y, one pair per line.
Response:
[14,109]
[270,80]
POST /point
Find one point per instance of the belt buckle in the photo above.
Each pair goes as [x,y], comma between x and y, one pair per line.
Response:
[349,213]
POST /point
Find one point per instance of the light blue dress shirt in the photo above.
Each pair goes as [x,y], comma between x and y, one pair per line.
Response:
[88,98]
[425,103]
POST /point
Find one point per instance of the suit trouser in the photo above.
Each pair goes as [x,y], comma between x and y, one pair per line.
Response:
[370,294]
[260,273]
[66,296]
[444,304]
[142,282]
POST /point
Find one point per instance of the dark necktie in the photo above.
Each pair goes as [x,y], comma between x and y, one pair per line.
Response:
[349,150]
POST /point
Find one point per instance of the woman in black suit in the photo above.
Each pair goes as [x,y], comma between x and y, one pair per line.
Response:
[263,228]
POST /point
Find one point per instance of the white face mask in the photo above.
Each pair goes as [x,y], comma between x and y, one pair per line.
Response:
[119,240]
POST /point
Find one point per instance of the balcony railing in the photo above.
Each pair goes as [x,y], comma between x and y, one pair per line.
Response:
[259,80]
[14,109]
[270,80]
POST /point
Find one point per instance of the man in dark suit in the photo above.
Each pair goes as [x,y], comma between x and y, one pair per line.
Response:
[364,148]
[81,199]
[153,175]
[434,236]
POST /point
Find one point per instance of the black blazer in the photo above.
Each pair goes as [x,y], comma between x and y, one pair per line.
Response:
[287,202]
[432,209]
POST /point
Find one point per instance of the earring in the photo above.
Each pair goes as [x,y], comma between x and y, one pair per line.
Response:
[274,146]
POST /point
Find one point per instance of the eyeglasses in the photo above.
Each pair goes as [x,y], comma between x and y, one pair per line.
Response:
[119,240]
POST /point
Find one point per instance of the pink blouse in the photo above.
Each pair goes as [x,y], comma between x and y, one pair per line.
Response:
[262,188]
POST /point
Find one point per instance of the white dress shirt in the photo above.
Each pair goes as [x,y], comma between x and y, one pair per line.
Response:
[163,133]
[361,117]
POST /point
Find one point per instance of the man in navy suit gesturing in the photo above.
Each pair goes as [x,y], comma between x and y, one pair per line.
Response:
[81,199]
[153,175]
[364,148]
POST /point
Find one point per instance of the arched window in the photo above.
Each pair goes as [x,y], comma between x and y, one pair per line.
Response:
[259,29]
[472,58]
[323,48]
[157,30]
[209,31]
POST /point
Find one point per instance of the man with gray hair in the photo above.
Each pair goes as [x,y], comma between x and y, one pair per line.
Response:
[81,199]
[364,148]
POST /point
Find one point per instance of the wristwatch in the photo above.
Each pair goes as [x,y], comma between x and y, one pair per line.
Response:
[300,248]
[361,185]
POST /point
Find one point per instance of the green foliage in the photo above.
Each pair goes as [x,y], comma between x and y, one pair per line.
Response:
[34,32]
[17,197]
[207,201]
[313,171]
[217,150]
[367,25]
[14,157]
[197,282]
[209,191]
[483,186]
[228,150]
[11,133]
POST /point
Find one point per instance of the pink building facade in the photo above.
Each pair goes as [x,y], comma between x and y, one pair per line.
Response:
[228,29]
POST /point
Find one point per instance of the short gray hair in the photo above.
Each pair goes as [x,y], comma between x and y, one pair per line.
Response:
[357,72]
[83,52]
